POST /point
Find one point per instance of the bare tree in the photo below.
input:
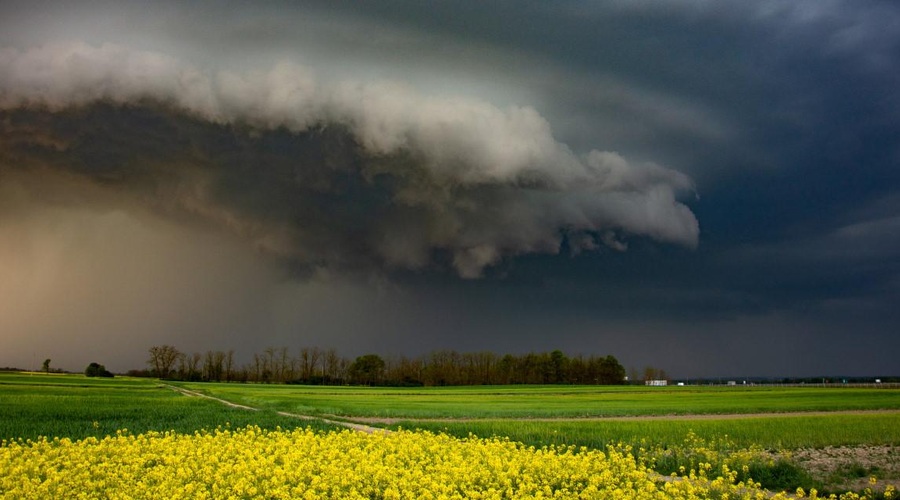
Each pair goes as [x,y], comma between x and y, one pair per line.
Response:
[162,359]
[331,362]
[229,365]
[314,356]
[305,363]
[213,365]
[188,366]
[343,369]
[258,367]
[285,366]
[309,358]
[268,360]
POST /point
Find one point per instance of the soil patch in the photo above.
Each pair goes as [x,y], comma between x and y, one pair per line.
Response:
[850,468]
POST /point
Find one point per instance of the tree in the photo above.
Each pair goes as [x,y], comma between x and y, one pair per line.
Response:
[162,359]
[309,358]
[96,370]
[331,363]
[189,366]
[269,370]
[444,367]
[651,373]
[558,365]
[611,371]
[285,365]
[367,369]
[46,366]
[213,366]
[229,365]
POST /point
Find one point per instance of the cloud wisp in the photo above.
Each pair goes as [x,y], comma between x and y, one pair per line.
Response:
[342,175]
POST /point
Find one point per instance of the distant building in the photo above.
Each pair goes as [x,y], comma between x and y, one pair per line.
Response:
[656,382]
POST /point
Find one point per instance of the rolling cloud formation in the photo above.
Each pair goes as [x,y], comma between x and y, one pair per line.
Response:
[345,175]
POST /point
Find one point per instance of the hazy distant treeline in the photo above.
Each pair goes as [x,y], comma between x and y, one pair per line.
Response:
[311,365]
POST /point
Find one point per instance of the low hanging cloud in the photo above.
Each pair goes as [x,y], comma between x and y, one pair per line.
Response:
[335,175]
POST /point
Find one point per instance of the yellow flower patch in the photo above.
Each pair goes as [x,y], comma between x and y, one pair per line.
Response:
[255,463]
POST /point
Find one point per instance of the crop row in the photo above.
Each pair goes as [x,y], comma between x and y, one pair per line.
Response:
[66,410]
[547,401]
[773,432]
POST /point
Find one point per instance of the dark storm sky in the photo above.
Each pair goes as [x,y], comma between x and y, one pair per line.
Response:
[710,188]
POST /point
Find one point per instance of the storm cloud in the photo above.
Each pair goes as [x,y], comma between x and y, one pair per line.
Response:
[400,176]
[328,174]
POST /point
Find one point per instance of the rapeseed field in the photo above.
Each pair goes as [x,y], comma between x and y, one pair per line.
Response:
[302,463]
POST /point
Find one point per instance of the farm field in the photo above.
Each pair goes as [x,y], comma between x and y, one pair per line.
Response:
[773,433]
[76,407]
[859,426]
[549,401]
[707,430]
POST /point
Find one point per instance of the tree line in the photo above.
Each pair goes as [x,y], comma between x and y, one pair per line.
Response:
[314,366]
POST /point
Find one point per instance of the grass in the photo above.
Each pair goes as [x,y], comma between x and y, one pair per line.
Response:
[75,406]
[548,401]
[666,445]
[774,433]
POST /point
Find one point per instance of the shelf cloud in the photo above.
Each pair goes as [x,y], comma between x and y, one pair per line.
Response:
[337,174]
[399,176]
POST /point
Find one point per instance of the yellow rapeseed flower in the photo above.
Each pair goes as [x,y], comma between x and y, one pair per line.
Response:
[287,464]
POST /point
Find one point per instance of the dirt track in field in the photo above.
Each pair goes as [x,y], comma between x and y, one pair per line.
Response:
[362,424]
[361,427]
[194,394]
[699,416]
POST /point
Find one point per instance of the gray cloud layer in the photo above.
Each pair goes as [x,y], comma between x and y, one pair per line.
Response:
[328,173]
[166,174]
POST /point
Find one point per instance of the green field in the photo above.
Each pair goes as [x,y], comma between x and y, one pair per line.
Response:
[549,401]
[598,416]
[775,433]
[75,406]
[669,427]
